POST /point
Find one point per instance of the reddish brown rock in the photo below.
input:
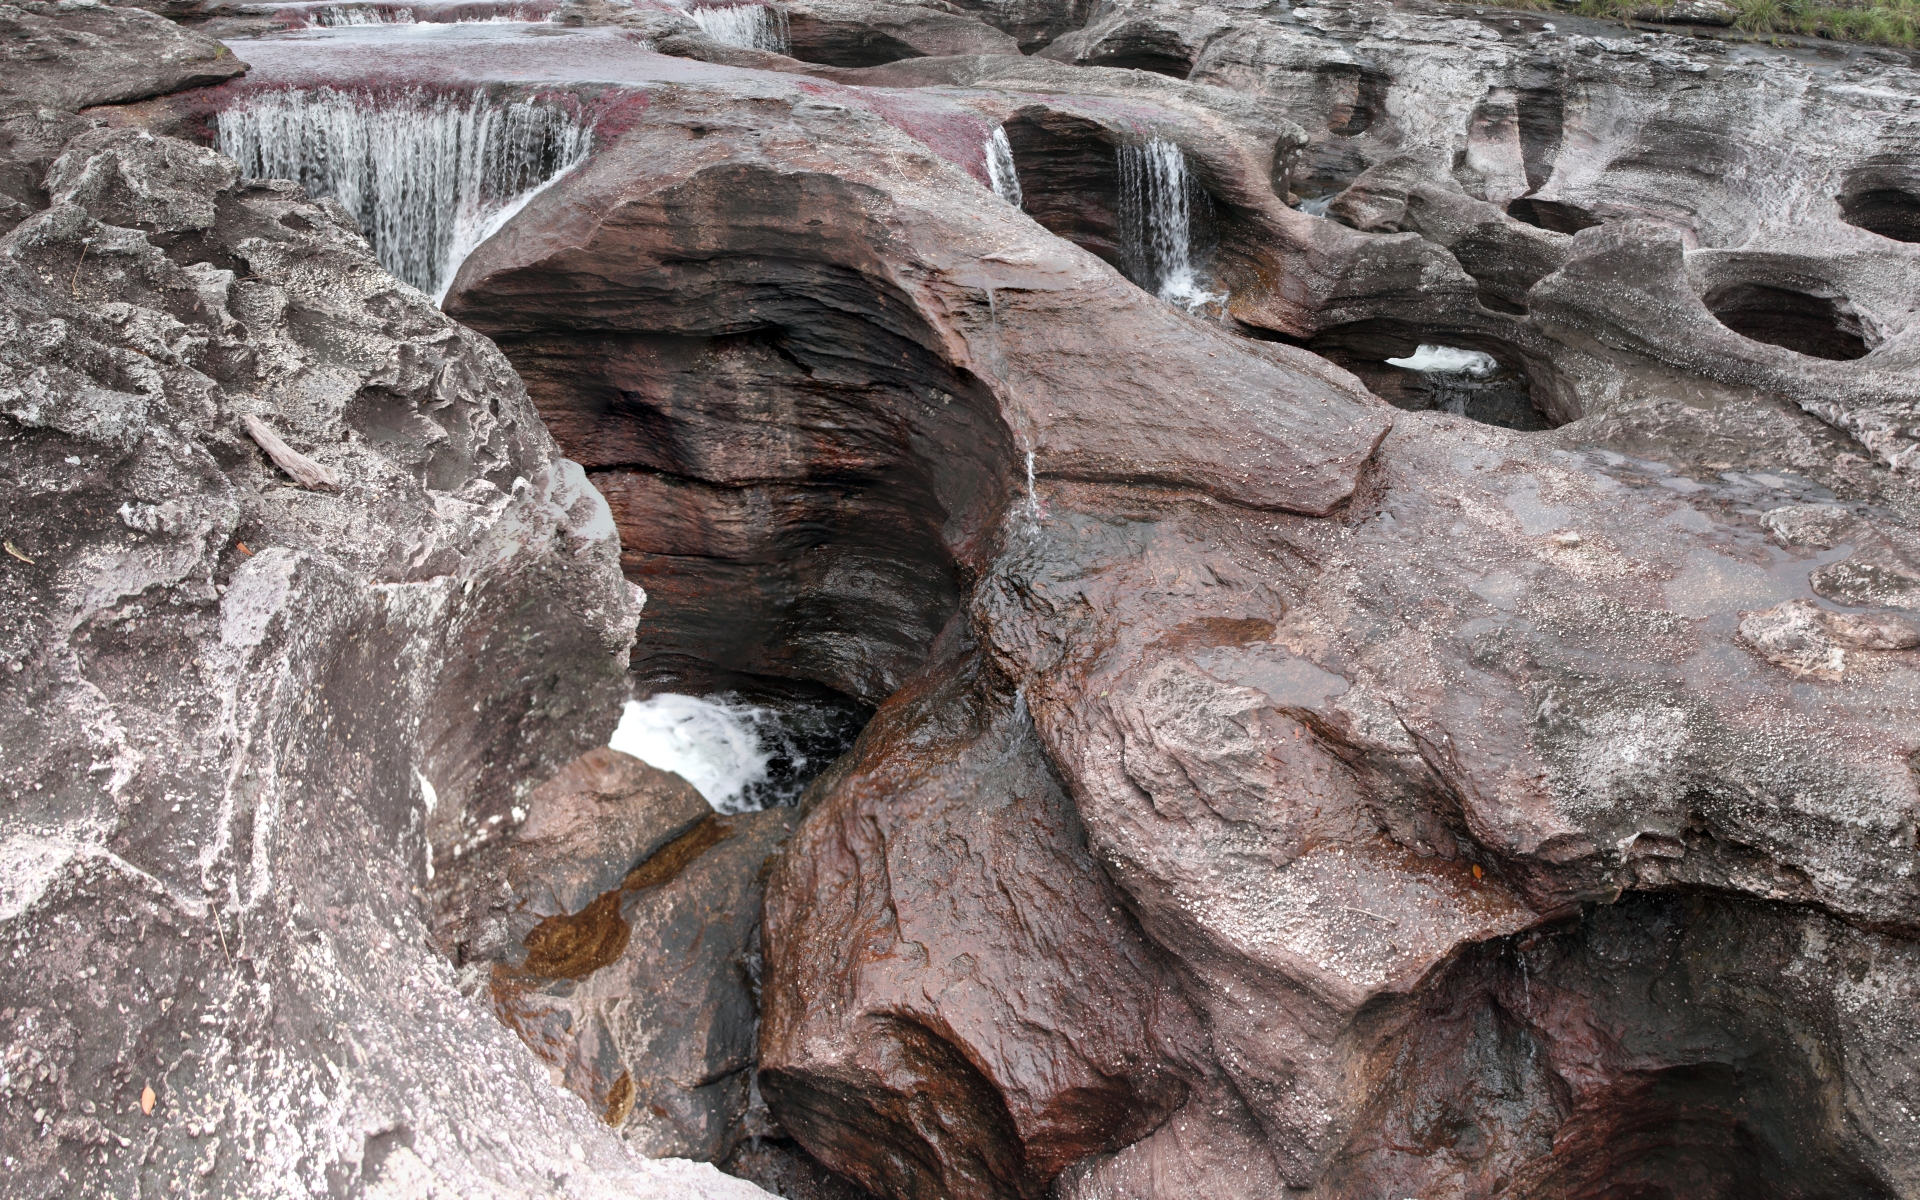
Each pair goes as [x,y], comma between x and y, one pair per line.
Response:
[1348,750]
[643,1000]
[577,836]
[957,1002]
[846,478]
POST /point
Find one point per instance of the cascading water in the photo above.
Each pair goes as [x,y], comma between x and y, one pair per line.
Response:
[342,16]
[1000,170]
[740,755]
[1471,384]
[427,177]
[749,26]
[1156,223]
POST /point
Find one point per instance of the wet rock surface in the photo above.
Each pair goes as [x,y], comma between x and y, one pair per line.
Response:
[1341,762]
[644,1000]
[1508,788]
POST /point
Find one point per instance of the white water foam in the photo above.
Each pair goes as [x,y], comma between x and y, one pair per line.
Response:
[1156,223]
[1316,208]
[740,755]
[749,26]
[1448,360]
[1000,169]
[427,177]
[714,746]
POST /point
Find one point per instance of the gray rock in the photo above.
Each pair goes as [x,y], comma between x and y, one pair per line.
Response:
[249,723]
[75,54]
[582,831]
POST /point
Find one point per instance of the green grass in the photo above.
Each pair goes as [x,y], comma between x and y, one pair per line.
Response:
[1874,22]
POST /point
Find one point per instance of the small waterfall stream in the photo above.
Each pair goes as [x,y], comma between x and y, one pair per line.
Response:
[427,177]
[342,16]
[1000,169]
[1156,223]
[749,26]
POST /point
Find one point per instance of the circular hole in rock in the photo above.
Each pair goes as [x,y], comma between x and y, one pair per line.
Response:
[1552,215]
[1425,376]
[1817,326]
[1889,212]
[741,751]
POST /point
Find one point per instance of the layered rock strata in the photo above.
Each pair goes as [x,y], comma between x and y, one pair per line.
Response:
[1269,791]
[1362,757]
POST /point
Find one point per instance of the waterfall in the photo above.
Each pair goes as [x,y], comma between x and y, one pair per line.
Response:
[1448,360]
[1156,223]
[1000,172]
[427,177]
[337,16]
[749,26]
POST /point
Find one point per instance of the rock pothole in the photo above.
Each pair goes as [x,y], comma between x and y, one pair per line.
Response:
[1883,201]
[1557,216]
[1814,325]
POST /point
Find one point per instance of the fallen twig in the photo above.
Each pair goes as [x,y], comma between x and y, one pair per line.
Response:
[306,472]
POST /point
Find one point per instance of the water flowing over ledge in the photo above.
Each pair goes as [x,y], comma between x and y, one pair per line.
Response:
[1000,168]
[740,755]
[1156,223]
[749,26]
[427,177]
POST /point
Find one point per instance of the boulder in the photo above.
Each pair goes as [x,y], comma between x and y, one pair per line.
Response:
[252,720]
[645,999]
[957,1003]
[578,836]
[75,54]
[56,59]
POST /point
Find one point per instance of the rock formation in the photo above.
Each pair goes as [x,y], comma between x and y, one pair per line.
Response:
[1280,781]
[254,704]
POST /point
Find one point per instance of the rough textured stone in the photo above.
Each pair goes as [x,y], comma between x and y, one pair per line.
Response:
[964,336]
[248,723]
[75,54]
[958,1005]
[58,58]
[1259,801]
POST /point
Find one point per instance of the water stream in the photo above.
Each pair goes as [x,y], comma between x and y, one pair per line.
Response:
[749,26]
[336,17]
[427,177]
[1000,169]
[1157,199]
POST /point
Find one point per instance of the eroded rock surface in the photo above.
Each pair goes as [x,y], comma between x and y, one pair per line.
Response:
[249,722]
[1360,773]
[644,1000]
[1269,792]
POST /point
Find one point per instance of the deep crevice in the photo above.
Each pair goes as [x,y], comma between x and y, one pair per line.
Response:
[1502,398]
[1554,215]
